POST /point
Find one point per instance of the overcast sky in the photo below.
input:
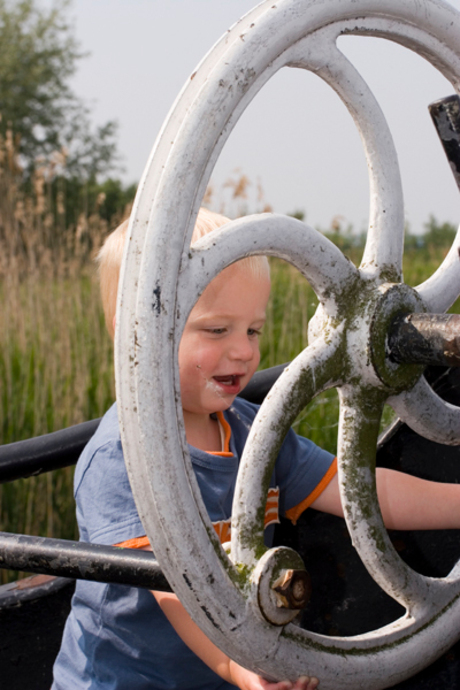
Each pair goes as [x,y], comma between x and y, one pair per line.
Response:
[296,139]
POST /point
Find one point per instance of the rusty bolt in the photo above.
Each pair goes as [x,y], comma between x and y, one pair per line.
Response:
[292,589]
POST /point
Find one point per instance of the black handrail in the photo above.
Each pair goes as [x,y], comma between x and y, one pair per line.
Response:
[82,561]
[45,453]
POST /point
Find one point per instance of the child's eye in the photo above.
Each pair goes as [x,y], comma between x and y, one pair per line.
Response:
[254,332]
[215,331]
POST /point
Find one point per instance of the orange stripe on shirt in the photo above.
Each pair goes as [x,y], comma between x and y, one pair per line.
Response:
[223,528]
[136,543]
[272,506]
[294,513]
[226,453]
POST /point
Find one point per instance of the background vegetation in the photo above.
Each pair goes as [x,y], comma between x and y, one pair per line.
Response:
[57,204]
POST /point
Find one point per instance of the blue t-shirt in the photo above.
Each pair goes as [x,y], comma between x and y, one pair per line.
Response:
[116,636]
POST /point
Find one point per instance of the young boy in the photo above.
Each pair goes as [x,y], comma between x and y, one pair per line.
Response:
[121,637]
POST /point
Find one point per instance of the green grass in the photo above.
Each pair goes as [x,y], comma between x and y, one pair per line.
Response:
[56,370]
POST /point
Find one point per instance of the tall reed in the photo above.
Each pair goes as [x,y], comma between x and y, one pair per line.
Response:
[56,359]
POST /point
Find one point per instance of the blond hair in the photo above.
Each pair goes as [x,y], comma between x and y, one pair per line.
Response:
[110,257]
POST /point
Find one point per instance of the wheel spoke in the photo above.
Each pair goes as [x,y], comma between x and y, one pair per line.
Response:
[360,413]
[427,414]
[314,370]
[441,290]
[384,246]
[316,257]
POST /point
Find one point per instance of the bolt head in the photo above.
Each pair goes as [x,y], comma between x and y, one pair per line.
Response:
[293,589]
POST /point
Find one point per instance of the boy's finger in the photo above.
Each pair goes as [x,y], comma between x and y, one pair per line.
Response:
[302,683]
[306,683]
[284,685]
[279,685]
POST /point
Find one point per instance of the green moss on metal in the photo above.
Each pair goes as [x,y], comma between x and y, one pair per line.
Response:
[242,575]
[390,274]
[290,634]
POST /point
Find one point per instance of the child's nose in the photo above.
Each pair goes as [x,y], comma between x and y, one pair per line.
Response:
[242,348]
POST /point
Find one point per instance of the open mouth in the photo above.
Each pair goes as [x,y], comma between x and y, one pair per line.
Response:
[230,382]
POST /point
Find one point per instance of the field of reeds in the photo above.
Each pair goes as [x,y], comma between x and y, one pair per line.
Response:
[56,359]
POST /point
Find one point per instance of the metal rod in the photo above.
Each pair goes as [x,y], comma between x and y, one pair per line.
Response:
[44,453]
[446,117]
[425,339]
[82,561]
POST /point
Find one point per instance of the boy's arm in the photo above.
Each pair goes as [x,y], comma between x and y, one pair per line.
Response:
[213,657]
[406,502]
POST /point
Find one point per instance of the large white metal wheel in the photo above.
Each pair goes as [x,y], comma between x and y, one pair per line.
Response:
[162,278]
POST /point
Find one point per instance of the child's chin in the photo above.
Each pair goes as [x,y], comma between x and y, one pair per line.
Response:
[223,404]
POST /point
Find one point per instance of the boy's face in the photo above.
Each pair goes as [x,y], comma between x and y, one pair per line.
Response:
[219,350]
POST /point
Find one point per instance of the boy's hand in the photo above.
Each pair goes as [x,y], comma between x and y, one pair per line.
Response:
[247,680]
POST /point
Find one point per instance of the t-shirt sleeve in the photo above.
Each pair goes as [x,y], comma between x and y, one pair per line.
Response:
[106,511]
[302,472]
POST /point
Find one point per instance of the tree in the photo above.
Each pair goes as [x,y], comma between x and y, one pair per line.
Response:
[439,234]
[38,55]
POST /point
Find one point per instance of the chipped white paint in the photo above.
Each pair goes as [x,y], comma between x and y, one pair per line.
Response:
[161,279]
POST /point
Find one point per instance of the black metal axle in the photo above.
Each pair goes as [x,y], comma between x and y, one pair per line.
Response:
[425,339]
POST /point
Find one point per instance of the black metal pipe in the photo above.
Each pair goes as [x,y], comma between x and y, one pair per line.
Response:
[445,114]
[425,339]
[44,453]
[81,561]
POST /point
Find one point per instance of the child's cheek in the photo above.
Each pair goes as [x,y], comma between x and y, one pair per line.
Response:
[197,363]
[191,354]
